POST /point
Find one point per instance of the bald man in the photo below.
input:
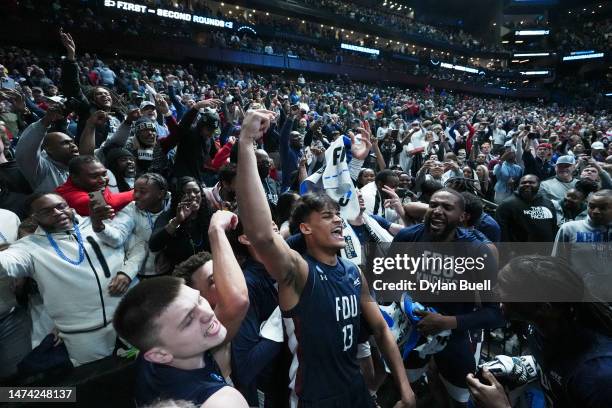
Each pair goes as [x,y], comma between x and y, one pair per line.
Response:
[45,168]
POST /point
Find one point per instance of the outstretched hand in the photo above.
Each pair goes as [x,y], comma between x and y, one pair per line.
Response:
[69,44]
[15,97]
[361,151]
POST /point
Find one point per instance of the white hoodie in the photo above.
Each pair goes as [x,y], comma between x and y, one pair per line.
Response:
[75,296]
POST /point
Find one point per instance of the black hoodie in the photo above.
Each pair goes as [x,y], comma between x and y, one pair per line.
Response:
[527,221]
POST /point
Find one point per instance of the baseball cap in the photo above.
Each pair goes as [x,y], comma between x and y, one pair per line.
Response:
[545,145]
[567,159]
[597,146]
[146,104]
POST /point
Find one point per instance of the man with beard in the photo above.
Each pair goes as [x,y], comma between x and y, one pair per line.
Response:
[312,289]
[555,188]
[132,226]
[585,244]
[79,278]
[443,220]
[527,216]
[43,157]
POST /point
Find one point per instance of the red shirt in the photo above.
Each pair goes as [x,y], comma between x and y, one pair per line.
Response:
[79,199]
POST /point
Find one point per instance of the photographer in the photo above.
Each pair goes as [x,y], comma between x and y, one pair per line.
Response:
[571,342]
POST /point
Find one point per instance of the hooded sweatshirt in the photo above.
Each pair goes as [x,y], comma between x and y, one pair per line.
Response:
[527,221]
[585,246]
[75,296]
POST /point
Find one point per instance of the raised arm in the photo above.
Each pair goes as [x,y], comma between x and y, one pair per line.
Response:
[233,302]
[70,70]
[27,154]
[87,142]
[285,265]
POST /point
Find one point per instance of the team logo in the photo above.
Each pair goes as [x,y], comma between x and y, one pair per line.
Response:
[216,377]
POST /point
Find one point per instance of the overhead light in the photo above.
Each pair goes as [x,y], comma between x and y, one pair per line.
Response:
[532,54]
[519,41]
[535,72]
[532,32]
[583,56]
[505,42]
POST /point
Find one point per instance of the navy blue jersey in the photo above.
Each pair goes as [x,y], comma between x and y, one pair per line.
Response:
[159,381]
[256,361]
[323,330]
[468,315]
[457,359]
[576,370]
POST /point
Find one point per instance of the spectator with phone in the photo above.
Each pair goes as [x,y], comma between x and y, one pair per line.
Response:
[181,231]
[88,180]
[79,294]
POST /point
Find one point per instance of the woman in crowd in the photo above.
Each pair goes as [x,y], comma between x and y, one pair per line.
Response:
[182,231]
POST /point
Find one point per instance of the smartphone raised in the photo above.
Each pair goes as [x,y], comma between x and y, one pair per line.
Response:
[97,198]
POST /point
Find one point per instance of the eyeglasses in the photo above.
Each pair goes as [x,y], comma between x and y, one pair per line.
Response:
[47,212]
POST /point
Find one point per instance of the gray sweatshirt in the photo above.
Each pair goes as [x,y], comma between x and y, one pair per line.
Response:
[42,172]
[586,247]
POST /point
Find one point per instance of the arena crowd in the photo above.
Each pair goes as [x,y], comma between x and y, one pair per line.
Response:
[175,212]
